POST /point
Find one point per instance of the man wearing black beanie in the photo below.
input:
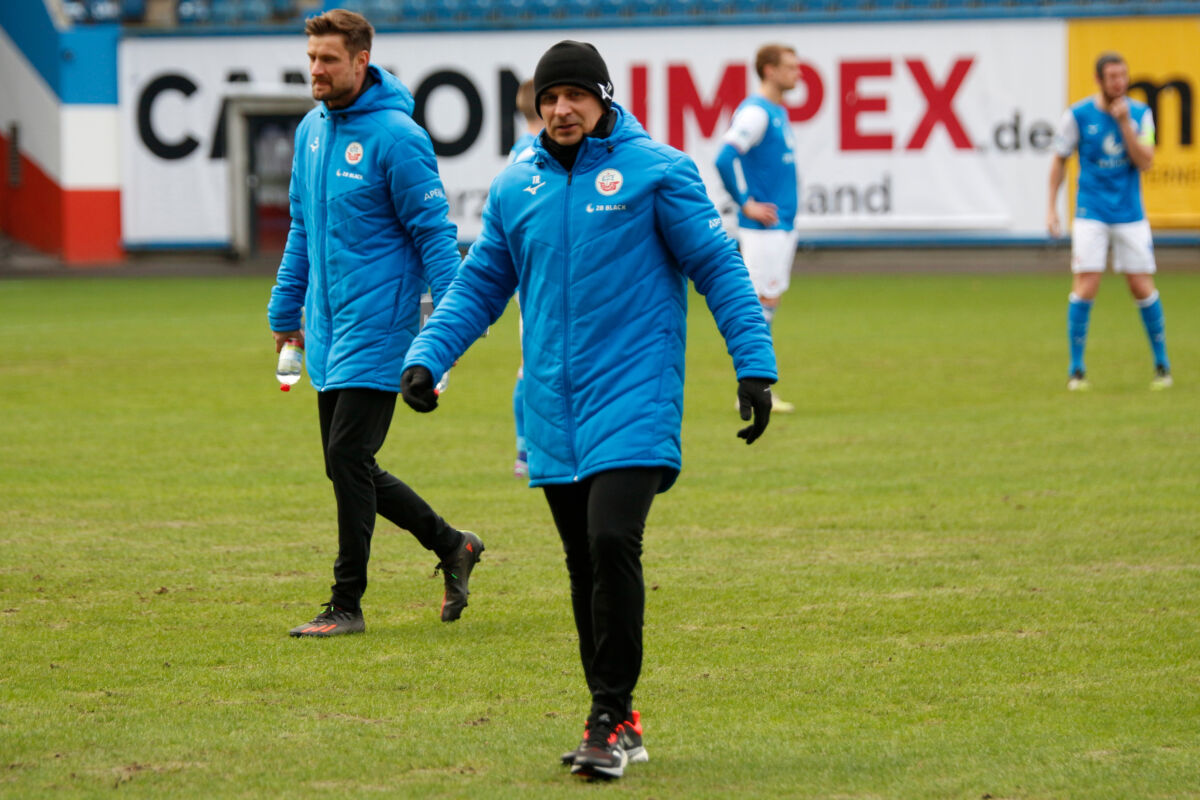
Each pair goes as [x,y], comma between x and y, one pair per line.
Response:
[566,68]
[573,64]
[600,229]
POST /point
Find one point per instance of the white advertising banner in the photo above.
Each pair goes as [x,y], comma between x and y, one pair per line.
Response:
[939,127]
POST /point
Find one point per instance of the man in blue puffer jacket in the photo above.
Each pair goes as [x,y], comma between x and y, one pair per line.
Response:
[369,232]
[600,230]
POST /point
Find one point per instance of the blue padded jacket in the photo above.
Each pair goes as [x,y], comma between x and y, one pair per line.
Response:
[369,233]
[601,257]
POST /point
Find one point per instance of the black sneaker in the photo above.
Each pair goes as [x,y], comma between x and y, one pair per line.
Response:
[456,571]
[600,757]
[1078,382]
[332,622]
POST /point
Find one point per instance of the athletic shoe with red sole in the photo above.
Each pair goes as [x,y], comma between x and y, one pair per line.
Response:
[629,734]
[333,621]
[601,756]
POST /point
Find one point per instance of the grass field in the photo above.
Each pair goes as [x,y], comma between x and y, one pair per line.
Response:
[944,577]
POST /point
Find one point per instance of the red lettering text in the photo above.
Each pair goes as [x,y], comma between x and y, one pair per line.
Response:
[854,104]
[684,97]
[938,104]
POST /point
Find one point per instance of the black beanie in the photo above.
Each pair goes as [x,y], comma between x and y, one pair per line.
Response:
[576,64]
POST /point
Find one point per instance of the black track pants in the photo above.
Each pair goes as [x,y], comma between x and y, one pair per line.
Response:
[354,424]
[601,520]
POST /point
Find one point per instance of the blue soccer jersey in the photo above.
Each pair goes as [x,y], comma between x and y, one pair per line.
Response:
[1110,184]
[758,160]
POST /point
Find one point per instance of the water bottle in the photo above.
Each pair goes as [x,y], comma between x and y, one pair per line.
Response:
[291,360]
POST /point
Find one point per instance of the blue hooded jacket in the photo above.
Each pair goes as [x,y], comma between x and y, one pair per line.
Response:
[602,257]
[369,233]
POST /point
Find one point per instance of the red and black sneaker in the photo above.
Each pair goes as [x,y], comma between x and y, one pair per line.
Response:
[600,757]
[456,571]
[629,734]
[332,622]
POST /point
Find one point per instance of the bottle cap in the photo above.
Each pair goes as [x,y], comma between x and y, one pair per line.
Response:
[283,387]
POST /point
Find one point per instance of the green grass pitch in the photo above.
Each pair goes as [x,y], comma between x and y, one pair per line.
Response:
[943,577]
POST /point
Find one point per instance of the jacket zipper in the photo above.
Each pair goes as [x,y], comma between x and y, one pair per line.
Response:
[324,195]
[567,393]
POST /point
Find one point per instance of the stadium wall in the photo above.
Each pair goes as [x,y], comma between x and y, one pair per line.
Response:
[932,132]
[59,167]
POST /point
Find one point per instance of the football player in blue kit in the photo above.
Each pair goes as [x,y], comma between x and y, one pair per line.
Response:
[1114,137]
[757,165]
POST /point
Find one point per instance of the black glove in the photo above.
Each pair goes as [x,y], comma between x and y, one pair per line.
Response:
[753,394]
[416,387]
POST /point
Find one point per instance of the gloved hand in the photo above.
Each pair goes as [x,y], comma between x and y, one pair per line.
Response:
[754,394]
[416,387]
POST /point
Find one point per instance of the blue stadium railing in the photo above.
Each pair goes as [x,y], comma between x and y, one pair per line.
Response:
[485,14]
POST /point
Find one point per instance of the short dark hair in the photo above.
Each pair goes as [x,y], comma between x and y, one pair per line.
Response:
[769,55]
[354,28]
[525,102]
[1109,57]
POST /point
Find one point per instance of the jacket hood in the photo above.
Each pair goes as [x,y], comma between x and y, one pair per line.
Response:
[387,92]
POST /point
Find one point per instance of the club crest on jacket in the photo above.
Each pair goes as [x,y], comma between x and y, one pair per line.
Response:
[609,182]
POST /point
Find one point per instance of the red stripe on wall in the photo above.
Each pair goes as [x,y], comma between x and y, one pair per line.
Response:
[91,226]
[31,211]
[79,226]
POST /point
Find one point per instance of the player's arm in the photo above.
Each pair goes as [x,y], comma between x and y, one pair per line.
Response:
[1138,136]
[284,312]
[745,131]
[1066,139]
[421,207]
[1058,171]
[690,227]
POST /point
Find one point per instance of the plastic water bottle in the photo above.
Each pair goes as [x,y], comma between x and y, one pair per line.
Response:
[442,384]
[291,360]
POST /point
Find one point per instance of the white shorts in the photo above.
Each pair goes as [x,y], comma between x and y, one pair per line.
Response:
[1132,246]
[768,256]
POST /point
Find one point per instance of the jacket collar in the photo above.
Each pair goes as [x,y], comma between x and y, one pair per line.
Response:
[385,91]
[624,127]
